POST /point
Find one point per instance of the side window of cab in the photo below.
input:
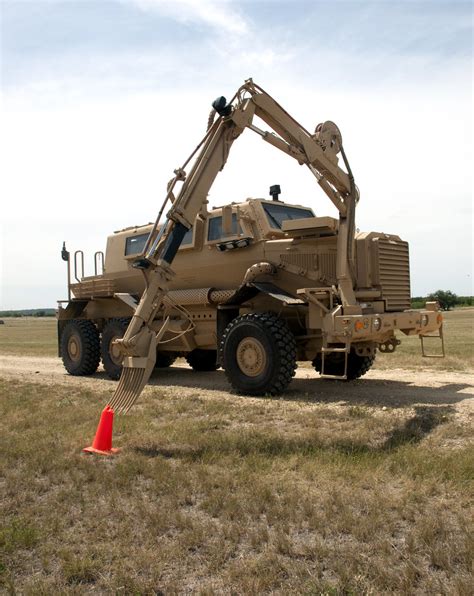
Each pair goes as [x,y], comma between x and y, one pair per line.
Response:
[215,232]
[187,241]
[193,238]
[135,244]
[240,233]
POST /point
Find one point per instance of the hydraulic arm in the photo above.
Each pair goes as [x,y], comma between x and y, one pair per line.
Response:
[317,151]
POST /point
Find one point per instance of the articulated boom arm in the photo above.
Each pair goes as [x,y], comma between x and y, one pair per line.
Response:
[318,151]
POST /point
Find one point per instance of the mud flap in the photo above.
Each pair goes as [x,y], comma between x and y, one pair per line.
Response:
[277,293]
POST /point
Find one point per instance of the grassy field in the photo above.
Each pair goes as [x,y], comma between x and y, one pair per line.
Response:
[30,336]
[458,329]
[240,496]
[219,494]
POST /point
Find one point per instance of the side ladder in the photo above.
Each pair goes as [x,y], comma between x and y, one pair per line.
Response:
[440,336]
[329,350]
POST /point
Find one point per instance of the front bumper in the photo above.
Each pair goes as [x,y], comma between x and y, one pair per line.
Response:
[379,328]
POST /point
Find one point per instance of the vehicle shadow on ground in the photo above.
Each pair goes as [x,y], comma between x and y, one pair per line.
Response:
[412,431]
[365,391]
[423,422]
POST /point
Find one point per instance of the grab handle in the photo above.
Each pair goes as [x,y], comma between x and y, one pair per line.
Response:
[78,252]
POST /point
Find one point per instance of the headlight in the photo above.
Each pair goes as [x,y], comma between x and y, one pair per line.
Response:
[424,320]
[377,324]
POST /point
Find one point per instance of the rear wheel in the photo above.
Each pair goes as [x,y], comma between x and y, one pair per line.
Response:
[164,359]
[259,354]
[202,360]
[357,366]
[111,355]
[80,347]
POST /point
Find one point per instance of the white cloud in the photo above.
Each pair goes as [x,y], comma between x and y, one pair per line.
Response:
[221,15]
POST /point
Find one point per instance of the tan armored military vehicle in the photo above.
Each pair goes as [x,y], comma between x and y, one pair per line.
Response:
[255,286]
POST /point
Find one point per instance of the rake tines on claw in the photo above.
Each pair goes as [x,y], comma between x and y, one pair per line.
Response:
[131,384]
[135,374]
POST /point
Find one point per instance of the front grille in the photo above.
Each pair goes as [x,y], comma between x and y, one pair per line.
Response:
[393,268]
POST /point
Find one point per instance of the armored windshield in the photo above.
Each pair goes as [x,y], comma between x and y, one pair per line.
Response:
[277,214]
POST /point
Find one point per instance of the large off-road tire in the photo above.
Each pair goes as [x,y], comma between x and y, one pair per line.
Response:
[258,354]
[80,347]
[334,364]
[111,356]
[164,359]
[202,360]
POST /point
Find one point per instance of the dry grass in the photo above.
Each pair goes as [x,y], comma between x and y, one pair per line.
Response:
[459,344]
[239,496]
[312,493]
[29,336]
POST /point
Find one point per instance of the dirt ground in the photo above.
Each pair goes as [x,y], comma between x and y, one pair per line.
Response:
[383,388]
[331,488]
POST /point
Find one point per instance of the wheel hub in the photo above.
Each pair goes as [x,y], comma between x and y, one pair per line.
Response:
[251,357]
[114,351]
[74,348]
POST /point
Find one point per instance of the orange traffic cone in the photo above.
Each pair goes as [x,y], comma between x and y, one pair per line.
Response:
[103,437]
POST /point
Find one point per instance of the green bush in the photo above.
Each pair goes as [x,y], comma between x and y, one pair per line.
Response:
[446,299]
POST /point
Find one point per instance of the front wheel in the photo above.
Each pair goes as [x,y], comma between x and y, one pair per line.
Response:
[258,354]
[80,347]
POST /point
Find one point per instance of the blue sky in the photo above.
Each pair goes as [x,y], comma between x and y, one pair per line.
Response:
[102,99]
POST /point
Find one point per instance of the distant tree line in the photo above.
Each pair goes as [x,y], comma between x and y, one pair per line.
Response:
[32,312]
[447,300]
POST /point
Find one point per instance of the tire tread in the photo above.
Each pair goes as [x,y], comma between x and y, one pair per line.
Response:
[282,338]
[90,347]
